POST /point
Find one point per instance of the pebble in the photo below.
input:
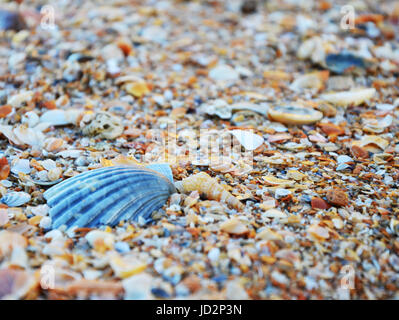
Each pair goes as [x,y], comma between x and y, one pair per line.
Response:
[337,197]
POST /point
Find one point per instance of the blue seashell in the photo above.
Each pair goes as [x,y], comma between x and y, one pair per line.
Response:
[109,195]
[344,62]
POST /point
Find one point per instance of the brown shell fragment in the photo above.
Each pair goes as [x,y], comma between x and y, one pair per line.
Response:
[5,110]
[319,203]
[331,129]
[4,168]
[337,197]
[10,240]
[359,152]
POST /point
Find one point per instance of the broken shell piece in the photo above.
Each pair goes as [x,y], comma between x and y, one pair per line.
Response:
[29,136]
[382,158]
[337,197]
[234,226]
[294,115]
[371,140]
[30,118]
[20,99]
[273,181]
[103,125]
[107,196]
[126,266]
[258,108]
[312,49]
[20,165]
[15,199]
[247,118]
[209,188]
[11,20]
[281,193]
[137,89]
[223,72]
[279,137]
[293,146]
[98,238]
[346,98]
[344,159]
[274,213]
[248,140]
[318,232]
[313,80]
[295,174]
[219,108]
[377,125]
[268,234]
[59,117]
[16,284]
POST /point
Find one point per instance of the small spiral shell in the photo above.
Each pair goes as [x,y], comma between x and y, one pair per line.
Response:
[209,188]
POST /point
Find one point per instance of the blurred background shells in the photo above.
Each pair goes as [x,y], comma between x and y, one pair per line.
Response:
[11,20]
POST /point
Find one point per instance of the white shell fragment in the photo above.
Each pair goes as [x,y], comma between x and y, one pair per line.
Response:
[294,115]
[20,99]
[248,140]
[59,117]
[224,110]
[107,196]
[223,72]
[346,98]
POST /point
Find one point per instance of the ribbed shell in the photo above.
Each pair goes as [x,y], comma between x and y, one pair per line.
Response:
[108,196]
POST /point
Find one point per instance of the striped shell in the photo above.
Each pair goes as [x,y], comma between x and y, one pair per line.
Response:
[109,195]
[209,188]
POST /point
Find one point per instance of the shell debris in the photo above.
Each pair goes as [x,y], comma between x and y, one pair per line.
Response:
[243,149]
